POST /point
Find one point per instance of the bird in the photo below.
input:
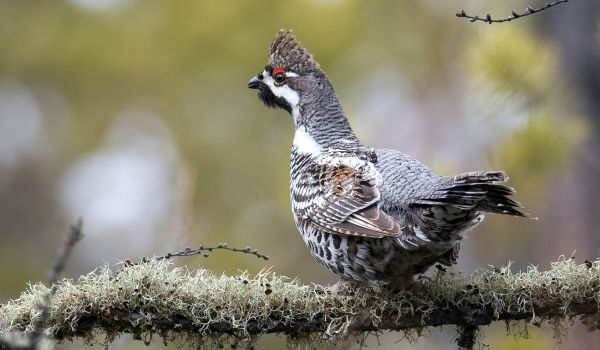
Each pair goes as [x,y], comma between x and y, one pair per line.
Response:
[374,216]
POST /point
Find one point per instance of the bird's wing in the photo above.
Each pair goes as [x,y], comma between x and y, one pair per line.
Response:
[339,194]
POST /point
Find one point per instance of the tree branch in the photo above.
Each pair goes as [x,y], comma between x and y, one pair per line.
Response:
[154,298]
[514,15]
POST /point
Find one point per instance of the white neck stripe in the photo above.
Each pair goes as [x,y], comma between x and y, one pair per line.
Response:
[304,143]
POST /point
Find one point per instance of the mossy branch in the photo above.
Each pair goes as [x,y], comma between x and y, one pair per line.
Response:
[175,303]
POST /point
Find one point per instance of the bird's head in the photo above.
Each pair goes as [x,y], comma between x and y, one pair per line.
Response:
[291,78]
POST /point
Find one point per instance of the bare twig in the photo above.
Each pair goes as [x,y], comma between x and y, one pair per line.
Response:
[514,15]
[204,251]
[18,341]
[75,234]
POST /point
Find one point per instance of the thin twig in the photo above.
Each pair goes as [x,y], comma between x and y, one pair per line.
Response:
[74,236]
[19,341]
[514,15]
[203,251]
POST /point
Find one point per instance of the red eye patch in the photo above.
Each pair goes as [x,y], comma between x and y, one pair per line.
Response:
[277,71]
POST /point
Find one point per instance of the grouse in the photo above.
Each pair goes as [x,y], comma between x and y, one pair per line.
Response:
[368,215]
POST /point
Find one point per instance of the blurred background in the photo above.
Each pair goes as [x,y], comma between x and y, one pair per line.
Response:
[135,116]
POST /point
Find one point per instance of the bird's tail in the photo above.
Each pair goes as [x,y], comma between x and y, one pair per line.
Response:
[480,191]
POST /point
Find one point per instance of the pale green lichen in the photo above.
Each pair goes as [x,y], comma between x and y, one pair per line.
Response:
[156,291]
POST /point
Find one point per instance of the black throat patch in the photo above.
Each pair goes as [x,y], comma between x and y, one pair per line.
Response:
[270,100]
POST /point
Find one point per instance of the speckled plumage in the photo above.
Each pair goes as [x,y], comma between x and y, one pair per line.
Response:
[368,214]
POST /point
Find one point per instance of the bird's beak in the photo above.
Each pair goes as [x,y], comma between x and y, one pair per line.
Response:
[254,83]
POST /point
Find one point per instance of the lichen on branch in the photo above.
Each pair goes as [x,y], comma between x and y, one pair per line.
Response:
[156,298]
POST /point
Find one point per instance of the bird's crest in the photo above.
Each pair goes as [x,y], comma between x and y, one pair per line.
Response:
[286,52]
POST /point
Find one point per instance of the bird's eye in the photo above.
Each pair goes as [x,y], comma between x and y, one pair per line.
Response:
[279,75]
[280,78]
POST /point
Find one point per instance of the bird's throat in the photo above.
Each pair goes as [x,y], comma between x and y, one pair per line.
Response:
[305,143]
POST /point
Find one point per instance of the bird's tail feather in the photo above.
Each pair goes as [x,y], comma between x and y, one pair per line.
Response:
[479,190]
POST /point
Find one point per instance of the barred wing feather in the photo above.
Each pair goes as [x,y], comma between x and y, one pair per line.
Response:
[340,195]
